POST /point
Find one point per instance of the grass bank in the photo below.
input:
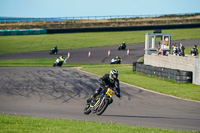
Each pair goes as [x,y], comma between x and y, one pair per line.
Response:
[27,43]
[12,123]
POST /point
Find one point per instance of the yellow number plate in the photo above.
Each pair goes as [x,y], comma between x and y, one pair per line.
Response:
[110,92]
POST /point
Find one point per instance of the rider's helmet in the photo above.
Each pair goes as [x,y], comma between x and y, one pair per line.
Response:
[114,74]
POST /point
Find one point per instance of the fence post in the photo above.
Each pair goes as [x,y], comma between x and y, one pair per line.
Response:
[196,76]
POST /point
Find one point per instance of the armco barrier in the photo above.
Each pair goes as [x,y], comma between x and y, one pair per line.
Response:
[22,32]
[174,74]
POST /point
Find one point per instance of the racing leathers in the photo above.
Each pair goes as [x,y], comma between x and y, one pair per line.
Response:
[105,83]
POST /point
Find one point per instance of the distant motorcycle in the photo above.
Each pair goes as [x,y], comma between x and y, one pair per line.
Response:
[122,46]
[54,50]
[116,60]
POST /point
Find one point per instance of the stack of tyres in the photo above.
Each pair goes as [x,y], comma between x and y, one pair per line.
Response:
[166,73]
[134,66]
[174,73]
[148,70]
[183,77]
[139,67]
[158,71]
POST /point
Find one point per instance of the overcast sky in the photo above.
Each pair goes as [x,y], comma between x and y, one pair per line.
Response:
[76,8]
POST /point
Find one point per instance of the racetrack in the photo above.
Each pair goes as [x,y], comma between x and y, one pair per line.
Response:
[62,93]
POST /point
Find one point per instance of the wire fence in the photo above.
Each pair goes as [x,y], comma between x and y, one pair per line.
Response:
[96,21]
[18,19]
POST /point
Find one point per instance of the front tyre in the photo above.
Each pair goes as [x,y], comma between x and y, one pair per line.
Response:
[103,107]
[87,109]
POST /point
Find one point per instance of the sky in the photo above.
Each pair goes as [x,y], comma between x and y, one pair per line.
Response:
[77,8]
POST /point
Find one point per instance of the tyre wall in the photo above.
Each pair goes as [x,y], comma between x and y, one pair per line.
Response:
[177,75]
[187,63]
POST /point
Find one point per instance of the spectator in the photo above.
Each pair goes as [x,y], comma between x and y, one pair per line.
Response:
[175,49]
[194,51]
[159,49]
[182,48]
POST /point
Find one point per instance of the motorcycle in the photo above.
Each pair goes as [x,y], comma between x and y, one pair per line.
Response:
[58,63]
[54,50]
[122,47]
[115,61]
[100,103]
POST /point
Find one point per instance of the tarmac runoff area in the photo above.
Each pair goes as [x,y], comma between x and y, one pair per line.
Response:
[62,93]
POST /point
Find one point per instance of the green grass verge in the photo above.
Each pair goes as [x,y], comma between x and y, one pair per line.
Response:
[12,123]
[27,43]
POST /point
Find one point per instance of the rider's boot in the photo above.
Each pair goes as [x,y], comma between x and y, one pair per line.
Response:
[90,99]
[110,101]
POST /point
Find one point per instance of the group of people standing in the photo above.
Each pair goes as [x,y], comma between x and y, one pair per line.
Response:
[179,50]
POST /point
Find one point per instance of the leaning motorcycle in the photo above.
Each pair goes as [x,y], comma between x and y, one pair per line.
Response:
[100,103]
[58,63]
[115,61]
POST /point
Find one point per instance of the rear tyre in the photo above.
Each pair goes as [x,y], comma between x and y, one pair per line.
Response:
[103,107]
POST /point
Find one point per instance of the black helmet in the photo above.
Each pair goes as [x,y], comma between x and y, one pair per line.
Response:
[114,72]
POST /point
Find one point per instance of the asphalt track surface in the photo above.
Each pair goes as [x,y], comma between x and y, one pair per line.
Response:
[62,93]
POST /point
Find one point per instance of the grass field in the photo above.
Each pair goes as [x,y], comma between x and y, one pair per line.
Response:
[27,43]
[12,123]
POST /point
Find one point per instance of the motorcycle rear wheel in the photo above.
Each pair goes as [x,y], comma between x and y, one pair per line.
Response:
[103,107]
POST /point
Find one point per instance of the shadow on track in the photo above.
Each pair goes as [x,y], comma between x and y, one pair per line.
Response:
[148,117]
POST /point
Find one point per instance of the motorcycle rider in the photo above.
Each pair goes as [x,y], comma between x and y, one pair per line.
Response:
[61,58]
[194,51]
[116,60]
[123,45]
[108,80]
[59,61]
[54,49]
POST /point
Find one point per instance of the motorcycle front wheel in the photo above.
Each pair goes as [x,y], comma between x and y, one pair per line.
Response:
[103,107]
[87,109]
